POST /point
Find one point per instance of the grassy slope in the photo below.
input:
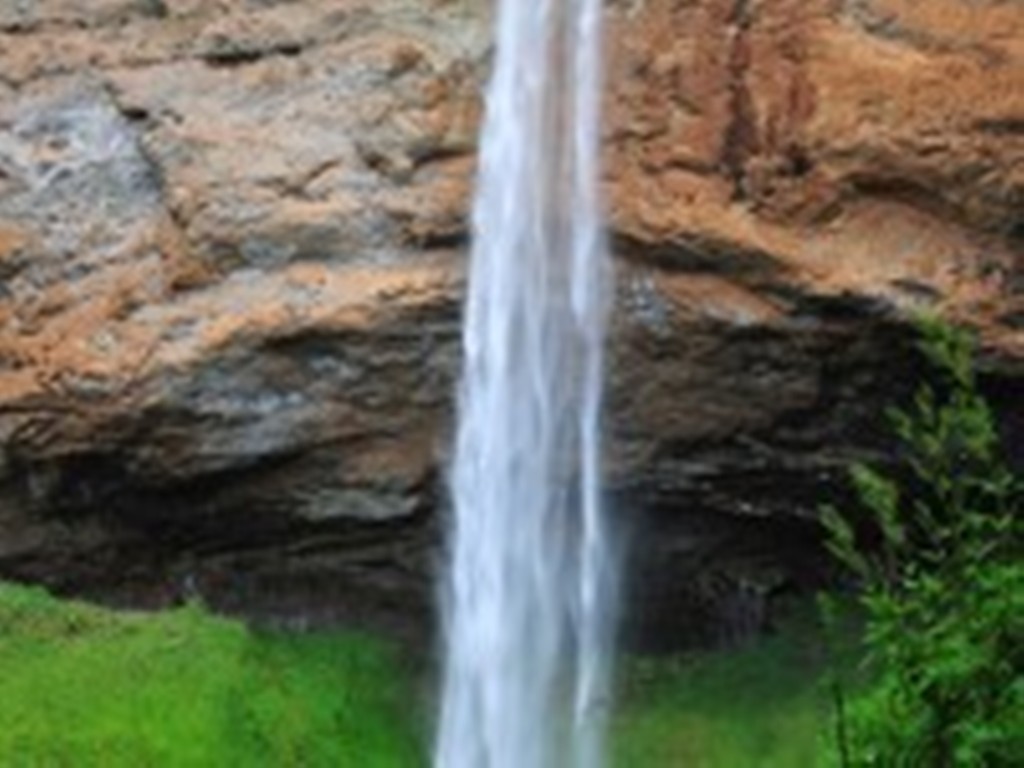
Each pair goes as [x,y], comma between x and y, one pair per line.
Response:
[763,707]
[80,686]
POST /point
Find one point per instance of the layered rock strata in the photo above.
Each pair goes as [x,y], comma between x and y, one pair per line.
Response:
[232,238]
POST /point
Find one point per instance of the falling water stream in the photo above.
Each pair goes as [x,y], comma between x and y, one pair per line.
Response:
[530,583]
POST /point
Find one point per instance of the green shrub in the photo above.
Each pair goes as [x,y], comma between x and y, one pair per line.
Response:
[942,582]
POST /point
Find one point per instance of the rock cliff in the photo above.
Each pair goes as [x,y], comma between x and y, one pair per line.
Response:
[232,238]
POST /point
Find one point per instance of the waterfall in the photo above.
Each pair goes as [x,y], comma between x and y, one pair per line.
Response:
[529,591]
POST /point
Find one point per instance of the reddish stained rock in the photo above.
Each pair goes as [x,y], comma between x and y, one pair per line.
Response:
[231,246]
[861,146]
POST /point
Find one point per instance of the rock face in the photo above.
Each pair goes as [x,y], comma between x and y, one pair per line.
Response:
[232,238]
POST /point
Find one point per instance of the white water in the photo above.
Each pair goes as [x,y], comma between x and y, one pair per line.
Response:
[530,587]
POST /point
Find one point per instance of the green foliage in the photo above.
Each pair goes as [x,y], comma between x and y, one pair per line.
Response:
[943,584]
[81,686]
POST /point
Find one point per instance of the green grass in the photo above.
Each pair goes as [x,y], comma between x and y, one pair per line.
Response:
[766,706]
[81,686]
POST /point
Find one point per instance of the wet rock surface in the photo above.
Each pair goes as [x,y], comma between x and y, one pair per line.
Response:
[232,239]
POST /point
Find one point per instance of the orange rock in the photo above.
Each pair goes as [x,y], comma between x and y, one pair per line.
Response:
[232,240]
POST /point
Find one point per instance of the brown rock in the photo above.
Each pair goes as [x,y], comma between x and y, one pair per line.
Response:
[231,244]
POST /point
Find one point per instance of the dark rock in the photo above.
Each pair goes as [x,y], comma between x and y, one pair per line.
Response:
[231,248]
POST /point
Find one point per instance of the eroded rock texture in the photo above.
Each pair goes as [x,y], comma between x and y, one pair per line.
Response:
[231,245]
